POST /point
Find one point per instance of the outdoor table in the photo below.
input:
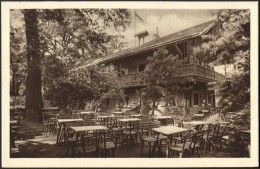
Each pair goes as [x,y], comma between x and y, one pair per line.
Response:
[89,114]
[223,123]
[246,131]
[80,129]
[162,119]
[136,115]
[104,119]
[118,113]
[199,115]
[49,112]
[12,123]
[168,131]
[62,128]
[86,112]
[50,108]
[198,124]
[128,120]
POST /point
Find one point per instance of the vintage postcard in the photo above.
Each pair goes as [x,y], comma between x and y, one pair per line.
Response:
[129,84]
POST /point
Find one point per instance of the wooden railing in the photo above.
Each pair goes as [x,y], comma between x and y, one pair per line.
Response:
[189,70]
[131,79]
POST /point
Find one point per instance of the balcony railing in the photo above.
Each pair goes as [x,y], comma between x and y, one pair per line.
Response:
[189,70]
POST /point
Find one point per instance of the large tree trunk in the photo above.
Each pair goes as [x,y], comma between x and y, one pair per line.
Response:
[33,81]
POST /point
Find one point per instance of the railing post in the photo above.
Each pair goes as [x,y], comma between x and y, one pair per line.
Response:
[195,64]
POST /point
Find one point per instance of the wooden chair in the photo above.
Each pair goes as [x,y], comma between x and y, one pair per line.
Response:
[245,140]
[183,148]
[210,137]
[49,123]
[15,128]
[198,142]
[237,142]
[150,137]
[108,141]
[130,133]
[145,134]
[169,122]
[178,137]
[218,141]
[86,144]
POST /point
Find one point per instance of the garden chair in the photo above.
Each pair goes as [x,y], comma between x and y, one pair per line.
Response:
[245,140]
[210,136]
[15,128]
[85,145]
[130,133]
[148,136]
[218,141]
[107,142]
[198,142]
[183,148]
[49,123]
[178,137]
[237,142]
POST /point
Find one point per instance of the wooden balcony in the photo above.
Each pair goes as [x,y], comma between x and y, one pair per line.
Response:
[198,72]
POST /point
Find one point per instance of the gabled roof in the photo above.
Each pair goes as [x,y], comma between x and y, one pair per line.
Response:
[191,32]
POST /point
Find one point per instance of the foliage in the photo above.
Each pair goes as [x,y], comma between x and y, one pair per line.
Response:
[230,45]
[17,62]
[68,39]
[160,77]
[77,36]
[93,83]
[74,37]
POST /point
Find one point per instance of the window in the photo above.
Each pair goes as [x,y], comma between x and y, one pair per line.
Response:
[124,71]
[209,99]
[141,67]
[195,99]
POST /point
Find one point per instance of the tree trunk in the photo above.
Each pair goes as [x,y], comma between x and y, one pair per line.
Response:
[33,81]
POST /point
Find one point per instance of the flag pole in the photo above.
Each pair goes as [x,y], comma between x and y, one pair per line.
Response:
[135,27]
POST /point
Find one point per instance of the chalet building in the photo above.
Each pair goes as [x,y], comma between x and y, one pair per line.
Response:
[130,64]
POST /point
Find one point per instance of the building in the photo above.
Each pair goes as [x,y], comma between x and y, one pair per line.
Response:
[130,64]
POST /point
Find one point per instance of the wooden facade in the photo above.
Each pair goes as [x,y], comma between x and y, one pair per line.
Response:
[131,63]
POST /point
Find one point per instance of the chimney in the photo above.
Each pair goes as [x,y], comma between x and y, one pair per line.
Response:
[156,35]
[142,35]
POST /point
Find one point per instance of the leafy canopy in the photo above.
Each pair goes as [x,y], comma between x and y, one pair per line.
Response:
[230,45]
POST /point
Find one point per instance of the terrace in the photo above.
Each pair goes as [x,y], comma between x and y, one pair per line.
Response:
[197,71]
[58,136]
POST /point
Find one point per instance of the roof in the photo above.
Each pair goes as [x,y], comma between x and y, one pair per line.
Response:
[191,32]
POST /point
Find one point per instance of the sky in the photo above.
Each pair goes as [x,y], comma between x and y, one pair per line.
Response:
[167,20]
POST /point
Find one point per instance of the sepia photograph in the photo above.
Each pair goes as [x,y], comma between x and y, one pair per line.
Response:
[129,84]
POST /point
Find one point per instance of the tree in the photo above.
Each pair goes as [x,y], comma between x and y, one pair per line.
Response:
[17,61]
[160,77]
[230,44]
[96,84]
[73,38]
[64,39]
[33,81]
